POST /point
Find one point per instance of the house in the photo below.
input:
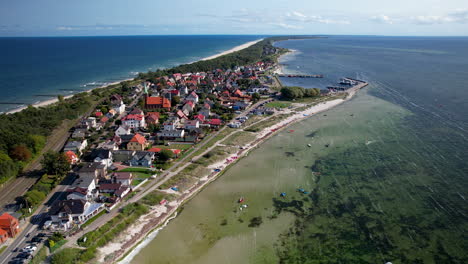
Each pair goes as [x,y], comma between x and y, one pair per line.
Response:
[78,193]
[123,130]
[76,146]
[137,111]
[239,105]
[9,227]
[109,144]
[79,133]
[152,118]
[215,123]
[171,123]
[171,134]
[181,115]
[142,158]
[157,150]
[124,178]
[89,122]
[138,142]
[116,189]
[123,156]
[192,97]
[192,124]
[157,102]
[188,107]
[72,157]
[112,113]
[65,213]
[92,170]
[116,99]
[205,112]
[98,114]
[134,121]
[103,156]
[199,117]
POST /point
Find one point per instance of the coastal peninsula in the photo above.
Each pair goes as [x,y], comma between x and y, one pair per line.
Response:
[152,143]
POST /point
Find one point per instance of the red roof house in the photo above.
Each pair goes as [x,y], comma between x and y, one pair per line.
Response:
[9,224]
[72,157]
[157,102]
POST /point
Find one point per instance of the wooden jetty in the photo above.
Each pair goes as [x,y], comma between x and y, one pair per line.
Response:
[301,75]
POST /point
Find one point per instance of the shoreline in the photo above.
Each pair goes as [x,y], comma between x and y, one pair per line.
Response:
[236,48]
[125,250]
[55,100]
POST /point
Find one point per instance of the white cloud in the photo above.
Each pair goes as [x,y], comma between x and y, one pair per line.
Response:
[286,26]
[459,16]
[382,19]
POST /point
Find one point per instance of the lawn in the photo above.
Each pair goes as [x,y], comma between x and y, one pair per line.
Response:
[278,104]
[182,147]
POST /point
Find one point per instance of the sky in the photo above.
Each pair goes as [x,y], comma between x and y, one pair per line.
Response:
[257,17]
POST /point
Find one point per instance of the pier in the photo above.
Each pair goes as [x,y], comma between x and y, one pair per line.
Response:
[301,75]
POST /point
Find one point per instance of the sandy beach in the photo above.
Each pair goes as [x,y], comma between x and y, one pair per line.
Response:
[240,47]
[55,100]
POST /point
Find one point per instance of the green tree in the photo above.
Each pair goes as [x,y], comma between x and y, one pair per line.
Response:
[175,100]
[255,97]
[34,197]
[166,155]
[55,163]
[8,168]
[60,98]
[292,92]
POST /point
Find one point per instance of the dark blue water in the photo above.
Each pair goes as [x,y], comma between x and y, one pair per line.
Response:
[426,74]
[50,66]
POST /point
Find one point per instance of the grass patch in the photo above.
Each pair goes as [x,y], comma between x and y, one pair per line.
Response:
[141,170]
[239,139]
[278,104]
[2,249]
[266,123]
[92,219]
[58,245]
[182,147]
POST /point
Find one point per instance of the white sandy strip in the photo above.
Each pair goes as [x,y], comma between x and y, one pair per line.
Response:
[240,47]
[55,100]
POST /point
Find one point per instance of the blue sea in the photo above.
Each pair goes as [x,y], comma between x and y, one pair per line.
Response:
[40,68]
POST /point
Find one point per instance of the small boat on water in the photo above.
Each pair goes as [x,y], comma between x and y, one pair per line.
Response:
[309,145]
[175,189]
[241,200]
[283,194]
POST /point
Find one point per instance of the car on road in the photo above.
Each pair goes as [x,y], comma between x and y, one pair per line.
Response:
[30,248]
[42,235]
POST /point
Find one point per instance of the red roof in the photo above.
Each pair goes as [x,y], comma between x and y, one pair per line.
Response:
[181,114]
[6,219]
[104,119]
[157,150]
[98,114]
[199,117]
[78,190]
[215,122]
[122,175]
[139,139]
[158,100]
[133,117]
[190,103]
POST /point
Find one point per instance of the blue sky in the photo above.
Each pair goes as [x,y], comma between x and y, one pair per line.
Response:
[156,17]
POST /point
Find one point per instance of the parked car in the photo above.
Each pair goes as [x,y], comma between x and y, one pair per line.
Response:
[37,239]
[24,255]
[30,248]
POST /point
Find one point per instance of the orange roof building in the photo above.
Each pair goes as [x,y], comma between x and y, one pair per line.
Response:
[138,142]
[3,236]
[9,224]
[157,102]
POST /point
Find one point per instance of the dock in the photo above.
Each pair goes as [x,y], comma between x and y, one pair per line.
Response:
[301,75]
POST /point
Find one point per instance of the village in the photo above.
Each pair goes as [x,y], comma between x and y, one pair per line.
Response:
[168,117]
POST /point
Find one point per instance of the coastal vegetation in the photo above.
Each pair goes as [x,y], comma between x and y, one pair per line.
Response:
[296,92]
